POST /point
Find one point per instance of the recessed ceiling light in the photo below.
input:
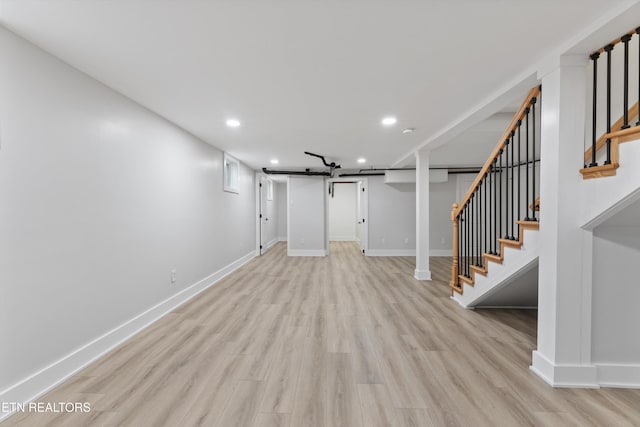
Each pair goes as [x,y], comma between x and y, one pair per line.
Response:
[274,161]
[408,130]
[389,121]
[362,160]
[233,123]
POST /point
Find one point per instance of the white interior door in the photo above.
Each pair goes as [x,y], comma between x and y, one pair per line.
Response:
[362,207]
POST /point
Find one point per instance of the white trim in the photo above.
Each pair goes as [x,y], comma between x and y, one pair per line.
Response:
[268,245]
[422,275]
[343,239]
[617,375]
[47,378]
[391,252]
[572,376]
[306,252]
[282,238]
[441,252]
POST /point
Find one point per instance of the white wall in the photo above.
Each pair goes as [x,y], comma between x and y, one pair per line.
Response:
[392,218]
[99,200]
[281,210]
[306,215]
[616,252]
[342,212]
[442,197]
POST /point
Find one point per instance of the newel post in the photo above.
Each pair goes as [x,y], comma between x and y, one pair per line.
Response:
[454,266]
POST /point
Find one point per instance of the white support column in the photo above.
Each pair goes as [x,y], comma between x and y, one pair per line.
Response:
[422,215]
[564,297]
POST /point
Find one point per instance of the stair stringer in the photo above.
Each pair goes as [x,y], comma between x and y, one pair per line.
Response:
[515,261]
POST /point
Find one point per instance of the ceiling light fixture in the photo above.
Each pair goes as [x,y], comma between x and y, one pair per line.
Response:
[408,130]
[389,121]
[233,123]
[274,161]
[362,160]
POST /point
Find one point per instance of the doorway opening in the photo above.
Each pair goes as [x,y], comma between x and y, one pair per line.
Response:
[347,212]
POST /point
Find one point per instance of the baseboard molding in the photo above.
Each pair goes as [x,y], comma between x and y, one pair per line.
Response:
[564,376]
[422,275]
[343,239]
[282,238]
[618,375]
[49,377]
[306,252]
[391,252]
[441,252]
[271,243]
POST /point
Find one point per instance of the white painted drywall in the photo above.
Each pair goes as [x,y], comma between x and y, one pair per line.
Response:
[616,252]
[281,210]
[306,216]
[392,217]
[99,199]
[343,208]
[442,197]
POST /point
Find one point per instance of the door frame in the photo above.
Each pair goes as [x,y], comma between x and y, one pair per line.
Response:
[365,213]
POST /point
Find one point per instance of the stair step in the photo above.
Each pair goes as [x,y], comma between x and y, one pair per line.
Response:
[509,242]
[466,279]
[479,270]
[529,224]
[494,258]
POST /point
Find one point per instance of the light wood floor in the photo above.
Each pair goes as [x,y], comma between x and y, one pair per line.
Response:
[344,340]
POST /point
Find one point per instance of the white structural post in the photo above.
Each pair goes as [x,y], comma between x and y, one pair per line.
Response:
[422,215]
[563,356]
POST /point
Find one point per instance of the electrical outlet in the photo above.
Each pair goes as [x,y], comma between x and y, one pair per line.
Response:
[302,241]
[406,240]
[173,276]
[442,241]
[382,240]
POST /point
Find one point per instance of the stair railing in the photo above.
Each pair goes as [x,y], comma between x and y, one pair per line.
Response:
[502,196]
[616,55]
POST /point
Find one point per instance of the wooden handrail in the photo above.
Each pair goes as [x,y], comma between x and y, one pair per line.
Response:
[602,141]
[533,93]
[618,40]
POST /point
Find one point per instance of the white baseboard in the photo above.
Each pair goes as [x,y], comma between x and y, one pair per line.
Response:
[282,238]
[306,252]
[441,252]
[343,239]
[391,252]
[268,245]
[47,378]
[422,274]
[567,376]
[619,376]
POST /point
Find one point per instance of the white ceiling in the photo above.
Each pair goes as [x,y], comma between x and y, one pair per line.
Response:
[300,74]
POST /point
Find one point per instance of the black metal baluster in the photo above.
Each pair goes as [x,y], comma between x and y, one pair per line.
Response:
[471,208]
[625,98]
[638,32]
[479,192]
[460,225]
[533,164]
[495,207]
[467,219]
[506,184]
[486,218]
[594,58]
[500,201]
[513,181]
[526,150]
[608,48]
[519,123]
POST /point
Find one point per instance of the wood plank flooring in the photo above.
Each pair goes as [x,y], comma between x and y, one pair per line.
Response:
[343,340]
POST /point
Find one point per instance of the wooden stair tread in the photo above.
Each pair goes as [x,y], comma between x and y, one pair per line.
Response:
[466,279]
[599,171]
[509,242]
[529,224]
[494,258]
[479,270]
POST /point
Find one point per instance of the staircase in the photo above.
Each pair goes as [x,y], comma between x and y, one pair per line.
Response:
[495,226]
